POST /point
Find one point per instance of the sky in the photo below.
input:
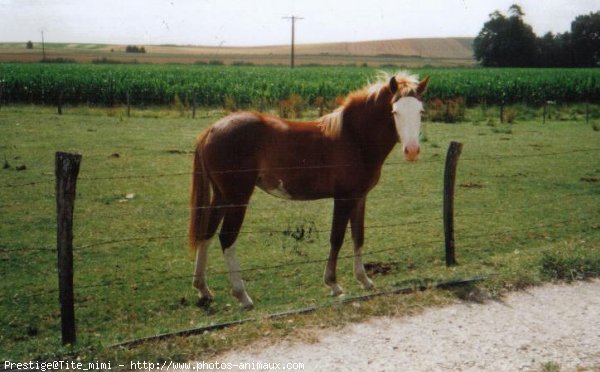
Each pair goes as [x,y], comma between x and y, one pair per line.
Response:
[261,22]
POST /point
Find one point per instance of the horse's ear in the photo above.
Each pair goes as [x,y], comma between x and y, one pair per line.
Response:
[422,86]
[393,85]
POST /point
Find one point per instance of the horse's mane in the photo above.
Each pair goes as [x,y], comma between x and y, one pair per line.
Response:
[331,124]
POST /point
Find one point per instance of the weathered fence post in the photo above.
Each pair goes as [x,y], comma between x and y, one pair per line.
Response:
[59,102]
[66,171]
[194,104]
[452,156]
[128,105]
[587,112]
[545,112]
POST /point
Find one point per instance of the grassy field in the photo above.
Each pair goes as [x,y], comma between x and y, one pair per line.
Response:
[526,205]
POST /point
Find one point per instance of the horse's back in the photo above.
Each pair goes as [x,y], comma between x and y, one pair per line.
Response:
[237,126]
[231,143]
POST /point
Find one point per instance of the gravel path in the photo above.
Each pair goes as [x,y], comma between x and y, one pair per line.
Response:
[552,325]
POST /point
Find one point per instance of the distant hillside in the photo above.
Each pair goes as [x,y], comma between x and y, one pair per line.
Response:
[454,48]
[407,52]
[426,48]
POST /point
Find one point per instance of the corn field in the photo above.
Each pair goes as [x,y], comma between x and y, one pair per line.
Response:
[259,86]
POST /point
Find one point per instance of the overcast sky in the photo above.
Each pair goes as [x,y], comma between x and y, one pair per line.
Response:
[259,22]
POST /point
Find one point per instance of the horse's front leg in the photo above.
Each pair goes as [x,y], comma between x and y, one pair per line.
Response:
[342,209]
[357,223]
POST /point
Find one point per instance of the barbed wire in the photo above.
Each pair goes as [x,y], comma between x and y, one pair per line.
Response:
[462,238]
[183,236]
[292,168]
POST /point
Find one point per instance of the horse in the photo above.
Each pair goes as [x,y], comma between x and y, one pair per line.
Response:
[338,156]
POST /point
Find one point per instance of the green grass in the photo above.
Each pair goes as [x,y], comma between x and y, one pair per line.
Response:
[526,212]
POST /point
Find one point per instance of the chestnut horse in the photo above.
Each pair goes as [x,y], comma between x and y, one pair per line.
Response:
[338,156]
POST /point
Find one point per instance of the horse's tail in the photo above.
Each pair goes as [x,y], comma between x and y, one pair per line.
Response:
[200,197]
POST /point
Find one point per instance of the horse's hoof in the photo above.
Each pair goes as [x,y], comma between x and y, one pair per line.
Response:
[336,291]
[246,303]
[247,307]
[368,285]
[204,302]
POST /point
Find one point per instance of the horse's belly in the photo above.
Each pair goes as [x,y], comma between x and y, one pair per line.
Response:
[292,188]
[278,191]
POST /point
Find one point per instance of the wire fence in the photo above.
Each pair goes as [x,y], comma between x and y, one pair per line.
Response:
[467,240]
[50,178]
[265,231]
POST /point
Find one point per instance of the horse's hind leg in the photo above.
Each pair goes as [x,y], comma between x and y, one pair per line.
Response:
[234,216]
[216,215]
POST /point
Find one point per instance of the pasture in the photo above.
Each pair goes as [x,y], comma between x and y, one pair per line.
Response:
[526,212]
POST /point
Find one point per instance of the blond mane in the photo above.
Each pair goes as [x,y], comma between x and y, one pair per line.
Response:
[331,124]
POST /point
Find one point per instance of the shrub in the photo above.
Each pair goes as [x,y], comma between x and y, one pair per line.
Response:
[324,106]
[229,103]
[451,110]
[58,60]
[509,116]
[293,107]
[179,105]
[135,49]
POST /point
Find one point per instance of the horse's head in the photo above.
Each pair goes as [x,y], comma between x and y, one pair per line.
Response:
[407,108]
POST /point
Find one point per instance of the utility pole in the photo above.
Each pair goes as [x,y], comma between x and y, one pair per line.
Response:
[293,19]
[43,48]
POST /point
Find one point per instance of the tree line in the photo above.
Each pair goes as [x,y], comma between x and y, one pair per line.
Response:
[507,41]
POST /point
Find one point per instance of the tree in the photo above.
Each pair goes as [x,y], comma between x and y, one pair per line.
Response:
[29,45]
[585,35]
[506,41]
[555,50]
[135,49]
[516,11]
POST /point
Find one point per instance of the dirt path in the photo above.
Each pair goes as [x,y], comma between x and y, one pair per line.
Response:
[543,327]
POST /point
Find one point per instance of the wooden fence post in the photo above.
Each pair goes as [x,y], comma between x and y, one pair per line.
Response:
[194,104]
[66,171]
[545,112]
[59,102]
[128,104]
[587,112]
[452,156]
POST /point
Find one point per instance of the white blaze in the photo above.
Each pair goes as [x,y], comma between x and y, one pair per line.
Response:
[407,116]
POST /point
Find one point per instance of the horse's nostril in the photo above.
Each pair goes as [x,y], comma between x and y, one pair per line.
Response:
[406,150]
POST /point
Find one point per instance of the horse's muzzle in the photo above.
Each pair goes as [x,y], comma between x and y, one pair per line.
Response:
[411,152]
